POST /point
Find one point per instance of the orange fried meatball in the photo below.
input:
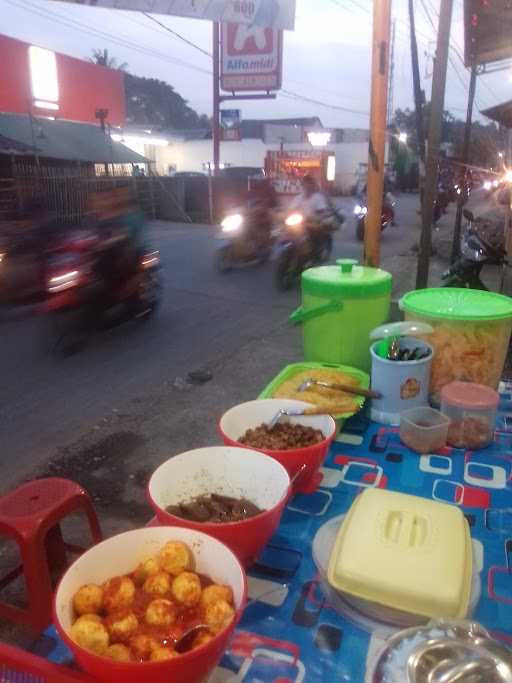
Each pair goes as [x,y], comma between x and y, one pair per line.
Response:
[121,625]
[161,613]
[119,653]
[118,593]
[91,635]
[214,593]
[158,584]
[186,588]
[90,617]
[162,654]
[145,569]
[176,557]
[88,600]
[218,615]
[143,645]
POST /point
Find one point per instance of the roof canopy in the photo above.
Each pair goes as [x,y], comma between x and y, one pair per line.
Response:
[64,140]
[501,113]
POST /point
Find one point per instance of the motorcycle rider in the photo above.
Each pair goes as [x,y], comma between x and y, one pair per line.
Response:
[314,205]
[262,201]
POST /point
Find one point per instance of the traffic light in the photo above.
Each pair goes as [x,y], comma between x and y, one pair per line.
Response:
[488,31]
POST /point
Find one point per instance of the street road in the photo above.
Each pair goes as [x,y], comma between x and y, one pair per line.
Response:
[110,414]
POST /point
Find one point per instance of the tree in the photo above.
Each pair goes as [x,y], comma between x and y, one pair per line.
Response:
[486,138]
[103,58]
[151,102]
[155,103]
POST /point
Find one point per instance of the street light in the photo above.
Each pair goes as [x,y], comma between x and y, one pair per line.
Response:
[319,138]
[402,137]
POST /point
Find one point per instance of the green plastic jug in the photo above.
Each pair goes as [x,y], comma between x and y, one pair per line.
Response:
[341,305]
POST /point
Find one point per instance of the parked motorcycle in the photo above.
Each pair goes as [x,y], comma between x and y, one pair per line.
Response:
[242,242]
[302,245]
[80,301]
[387,215]
[480,246]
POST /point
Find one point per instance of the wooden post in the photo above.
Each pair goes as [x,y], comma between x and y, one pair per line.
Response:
[216,98]
[378,117]
[418,97]
[465,159]
[434,140]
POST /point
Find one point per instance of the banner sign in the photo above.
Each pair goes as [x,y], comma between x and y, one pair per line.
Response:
[271,13]
[251,58]
[230,120]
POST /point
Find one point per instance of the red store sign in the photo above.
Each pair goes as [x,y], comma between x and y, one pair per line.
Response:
[42,82]
[251,58]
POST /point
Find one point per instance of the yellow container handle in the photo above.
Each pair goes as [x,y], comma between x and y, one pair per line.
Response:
[301,316]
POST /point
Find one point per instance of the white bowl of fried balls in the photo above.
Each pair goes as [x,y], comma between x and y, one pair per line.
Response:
[128,600]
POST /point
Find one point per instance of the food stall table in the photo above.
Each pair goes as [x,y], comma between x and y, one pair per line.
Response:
[290,630]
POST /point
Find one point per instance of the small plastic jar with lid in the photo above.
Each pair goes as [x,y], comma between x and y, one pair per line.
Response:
[472,410]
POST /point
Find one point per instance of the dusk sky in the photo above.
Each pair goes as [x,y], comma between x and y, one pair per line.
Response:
[326,58]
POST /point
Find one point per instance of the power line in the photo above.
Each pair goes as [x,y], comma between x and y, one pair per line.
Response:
[177,35]
[320,103]
[86,28]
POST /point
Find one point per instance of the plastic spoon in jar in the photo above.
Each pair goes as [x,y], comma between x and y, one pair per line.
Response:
[388,336]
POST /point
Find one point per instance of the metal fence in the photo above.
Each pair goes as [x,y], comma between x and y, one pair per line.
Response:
[65,190]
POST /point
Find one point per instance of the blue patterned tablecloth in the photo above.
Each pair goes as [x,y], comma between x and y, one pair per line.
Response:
[290,631]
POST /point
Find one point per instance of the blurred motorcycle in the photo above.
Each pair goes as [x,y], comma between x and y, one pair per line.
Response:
[387,215]
[79,301]
[242,242]
[303,244]
[481,244]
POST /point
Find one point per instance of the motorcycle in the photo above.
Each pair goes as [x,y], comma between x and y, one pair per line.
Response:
[477,250]
[241,242]
[387,215]
[78,301]
[302,245]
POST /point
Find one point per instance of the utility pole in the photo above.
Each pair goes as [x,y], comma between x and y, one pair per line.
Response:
[391,92]
[434,140]
[465,159]
[378,129]
[216,98]
[418,95]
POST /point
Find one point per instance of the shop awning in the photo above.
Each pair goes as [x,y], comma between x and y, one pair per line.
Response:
[501,114]
[65,140]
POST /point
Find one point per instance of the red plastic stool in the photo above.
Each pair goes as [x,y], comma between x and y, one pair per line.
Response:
[31,515]
[18,666]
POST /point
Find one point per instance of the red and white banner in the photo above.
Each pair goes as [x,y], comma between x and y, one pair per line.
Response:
[251,58]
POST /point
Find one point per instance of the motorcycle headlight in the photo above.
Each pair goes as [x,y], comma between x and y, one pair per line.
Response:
[59,283]
[232,223]
[150,260]
[294,220]
[360,210]
[487,185]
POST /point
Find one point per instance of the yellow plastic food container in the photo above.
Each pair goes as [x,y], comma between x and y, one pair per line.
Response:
[405,553]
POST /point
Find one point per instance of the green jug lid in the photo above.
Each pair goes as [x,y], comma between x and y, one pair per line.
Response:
[457,304]
[346,278]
